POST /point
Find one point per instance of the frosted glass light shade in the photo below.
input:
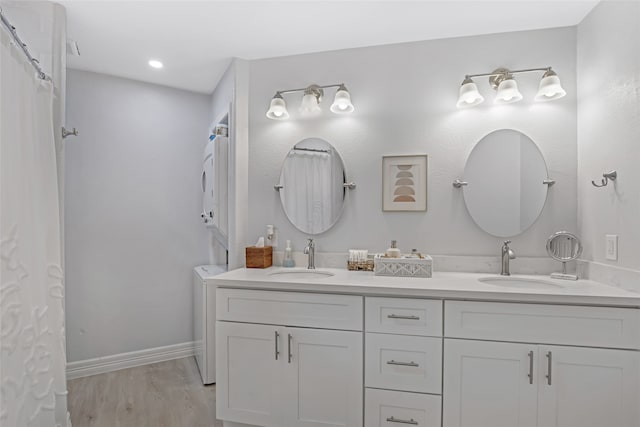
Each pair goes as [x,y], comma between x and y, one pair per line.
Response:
[469,94]
[278,109]
[309,104]
[550,87]
[342,102]
[508,92]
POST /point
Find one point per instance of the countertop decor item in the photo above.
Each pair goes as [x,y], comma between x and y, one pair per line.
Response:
[404,183]
[360,260]
[257,257]
[564,247]
[415,265]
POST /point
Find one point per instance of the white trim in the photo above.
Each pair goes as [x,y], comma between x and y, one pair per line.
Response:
[101,365]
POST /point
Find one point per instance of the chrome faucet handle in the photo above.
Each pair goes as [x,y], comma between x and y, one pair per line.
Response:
[506,242]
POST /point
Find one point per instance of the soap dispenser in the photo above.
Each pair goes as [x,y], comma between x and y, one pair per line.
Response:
[393,251]
[288,256]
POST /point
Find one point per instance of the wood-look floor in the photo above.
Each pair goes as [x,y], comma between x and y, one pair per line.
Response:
[166,394]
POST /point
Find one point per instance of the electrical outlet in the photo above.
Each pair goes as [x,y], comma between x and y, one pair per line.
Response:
[611,247]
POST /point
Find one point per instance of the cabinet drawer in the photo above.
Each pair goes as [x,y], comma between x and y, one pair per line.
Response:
[385,408]
[290,309]
[548,324]
[404,316]
[406,363]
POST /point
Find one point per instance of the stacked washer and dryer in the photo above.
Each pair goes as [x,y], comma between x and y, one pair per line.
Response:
[215,217]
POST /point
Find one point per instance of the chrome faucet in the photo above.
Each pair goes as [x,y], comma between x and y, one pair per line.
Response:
[310,250]
[507,255]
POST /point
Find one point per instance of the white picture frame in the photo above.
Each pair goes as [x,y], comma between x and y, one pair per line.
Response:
[404,183]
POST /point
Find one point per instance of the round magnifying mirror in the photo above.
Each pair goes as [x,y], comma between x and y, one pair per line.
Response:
[312,188]
[564,247]
[506,188]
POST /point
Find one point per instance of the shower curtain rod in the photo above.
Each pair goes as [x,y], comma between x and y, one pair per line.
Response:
[23,46]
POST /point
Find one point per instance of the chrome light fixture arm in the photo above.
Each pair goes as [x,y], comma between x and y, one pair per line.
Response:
[503,71]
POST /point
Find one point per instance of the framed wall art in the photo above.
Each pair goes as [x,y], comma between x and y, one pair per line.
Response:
[404,183]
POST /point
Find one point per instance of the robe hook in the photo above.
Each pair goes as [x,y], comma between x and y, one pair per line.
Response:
[606,177]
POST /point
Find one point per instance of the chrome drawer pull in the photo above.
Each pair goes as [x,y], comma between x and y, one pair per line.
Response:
[549,363]
[530,375]
[398,316]
[412,363]
[277,349]
[401,421]
[290,355]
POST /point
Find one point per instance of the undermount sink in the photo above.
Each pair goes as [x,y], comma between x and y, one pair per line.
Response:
[519,282]
[301,274]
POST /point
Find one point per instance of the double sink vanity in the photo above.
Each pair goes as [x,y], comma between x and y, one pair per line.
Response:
[332,347]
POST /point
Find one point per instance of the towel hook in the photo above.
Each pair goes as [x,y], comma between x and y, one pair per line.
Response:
[606,177]
[66,133]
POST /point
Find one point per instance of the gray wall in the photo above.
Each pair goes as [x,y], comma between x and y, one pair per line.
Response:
[405,98]
[609,130]
[133,232]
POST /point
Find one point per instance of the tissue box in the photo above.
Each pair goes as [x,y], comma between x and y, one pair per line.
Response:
[403,267]
[259,257]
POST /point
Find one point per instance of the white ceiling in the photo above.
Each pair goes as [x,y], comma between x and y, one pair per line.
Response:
[197,39]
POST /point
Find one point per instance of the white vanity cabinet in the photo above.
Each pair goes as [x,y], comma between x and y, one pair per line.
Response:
[302,372]
[294,355]
[403,362]
[524,384]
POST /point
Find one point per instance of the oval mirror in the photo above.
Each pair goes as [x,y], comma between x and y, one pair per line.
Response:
[564,247]
[506,183]
[312,188]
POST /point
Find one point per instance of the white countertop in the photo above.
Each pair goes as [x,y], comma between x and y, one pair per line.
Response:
[442,286]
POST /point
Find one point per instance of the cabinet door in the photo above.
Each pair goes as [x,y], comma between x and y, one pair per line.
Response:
[588,387]
[489,384]
[323,378]
[248,388]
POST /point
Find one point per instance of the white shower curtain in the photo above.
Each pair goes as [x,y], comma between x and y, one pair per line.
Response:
[32,344]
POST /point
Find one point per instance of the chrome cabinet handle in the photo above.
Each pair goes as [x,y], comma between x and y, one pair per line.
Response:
[277,349]
[397,316]
[549,363]
[530,374]
[401,421]
[290,356]
[412,363]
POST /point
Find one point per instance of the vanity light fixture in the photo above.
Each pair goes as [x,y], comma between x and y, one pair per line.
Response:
[503,81]
[311,100]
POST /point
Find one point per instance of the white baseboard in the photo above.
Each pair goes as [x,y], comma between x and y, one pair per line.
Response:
[101,365]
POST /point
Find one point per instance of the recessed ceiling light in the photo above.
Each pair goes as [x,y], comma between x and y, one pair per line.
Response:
[155,63]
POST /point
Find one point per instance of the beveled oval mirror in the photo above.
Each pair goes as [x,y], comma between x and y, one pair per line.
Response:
[312,189]
[506,179]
